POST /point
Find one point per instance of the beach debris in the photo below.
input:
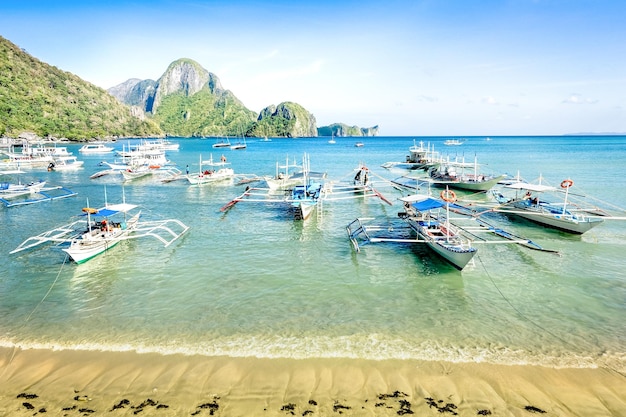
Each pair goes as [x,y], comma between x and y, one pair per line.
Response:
[441,407]
[483,412]
[121,404]
[290,408]
[28,406]
[82,398]
[86,410]
[395,394]
[212,407]
[338,408]
[405,406]
[312,402]
[27,396]
[533,409]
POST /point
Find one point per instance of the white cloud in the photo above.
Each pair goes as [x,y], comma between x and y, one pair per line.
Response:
[490,100]
[578,99]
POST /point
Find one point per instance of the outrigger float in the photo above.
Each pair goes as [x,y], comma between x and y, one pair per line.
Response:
[427,221]
[98,230]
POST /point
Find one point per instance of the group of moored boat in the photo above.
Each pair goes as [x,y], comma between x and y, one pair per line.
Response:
[301,191]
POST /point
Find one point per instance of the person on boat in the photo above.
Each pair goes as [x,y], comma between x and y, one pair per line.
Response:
[187,169]
[223,158]
[527,196]
[103,225]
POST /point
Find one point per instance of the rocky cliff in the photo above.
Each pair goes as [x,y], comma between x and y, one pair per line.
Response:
[187,100]
[287,119]
[341,129]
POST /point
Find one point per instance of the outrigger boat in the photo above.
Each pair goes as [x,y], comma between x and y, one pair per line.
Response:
[432,225]
[19,194]
[211,175]
[419,157]
[531,202]
[97,231]
[286,180]
[462,176]
[305,198]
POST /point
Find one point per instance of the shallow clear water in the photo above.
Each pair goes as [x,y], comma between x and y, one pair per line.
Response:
[254,282]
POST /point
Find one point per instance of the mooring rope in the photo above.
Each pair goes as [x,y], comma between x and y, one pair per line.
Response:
[35,309]
[523,316]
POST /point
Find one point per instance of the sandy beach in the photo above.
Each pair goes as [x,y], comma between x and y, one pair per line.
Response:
[67,383]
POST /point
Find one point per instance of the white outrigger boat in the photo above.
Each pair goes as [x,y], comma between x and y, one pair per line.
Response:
[433,227]
[531,202]
[462,176]
[211,175]
[419,157]
[97,231]
[19,194]
[284,179]
[305,198]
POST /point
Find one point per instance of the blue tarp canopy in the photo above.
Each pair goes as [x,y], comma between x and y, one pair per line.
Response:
[427,204]
[104,212]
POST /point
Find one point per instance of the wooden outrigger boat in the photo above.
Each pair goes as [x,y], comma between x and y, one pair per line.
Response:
[98,230]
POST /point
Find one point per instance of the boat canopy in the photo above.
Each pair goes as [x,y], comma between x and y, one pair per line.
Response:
[422,202]
[530,187]
[109,210]
[427,204]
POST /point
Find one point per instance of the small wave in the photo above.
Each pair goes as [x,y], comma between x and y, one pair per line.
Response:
[370,347]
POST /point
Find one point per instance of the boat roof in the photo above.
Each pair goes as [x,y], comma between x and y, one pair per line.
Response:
[112,209]
[422,202]
[530,187]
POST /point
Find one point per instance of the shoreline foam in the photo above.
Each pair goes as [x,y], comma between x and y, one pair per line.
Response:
[122,383]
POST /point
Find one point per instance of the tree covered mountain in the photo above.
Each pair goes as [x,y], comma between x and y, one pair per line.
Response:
[187,100]
[43,99]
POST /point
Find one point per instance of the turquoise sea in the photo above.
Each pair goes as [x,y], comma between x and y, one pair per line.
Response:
[254,282]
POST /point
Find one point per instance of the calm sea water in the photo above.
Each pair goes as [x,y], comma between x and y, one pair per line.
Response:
[254,282]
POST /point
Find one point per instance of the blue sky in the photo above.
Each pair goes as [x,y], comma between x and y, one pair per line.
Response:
[420,67]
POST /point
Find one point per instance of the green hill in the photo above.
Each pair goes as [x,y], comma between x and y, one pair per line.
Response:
[38,97]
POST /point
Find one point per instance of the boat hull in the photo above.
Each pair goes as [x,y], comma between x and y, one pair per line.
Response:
[565,223]
[457,255]
[219,175]
[469,185]
[94,242]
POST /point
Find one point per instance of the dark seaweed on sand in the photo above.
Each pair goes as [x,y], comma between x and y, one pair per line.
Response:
[441,407]
[337,407]
[533,409]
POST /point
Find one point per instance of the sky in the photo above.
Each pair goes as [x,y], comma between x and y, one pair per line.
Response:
[412,67]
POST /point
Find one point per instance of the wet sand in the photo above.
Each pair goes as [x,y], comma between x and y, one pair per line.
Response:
[78,383]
